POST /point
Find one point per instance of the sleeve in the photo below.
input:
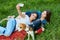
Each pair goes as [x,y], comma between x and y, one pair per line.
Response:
[43,23]
[35,23]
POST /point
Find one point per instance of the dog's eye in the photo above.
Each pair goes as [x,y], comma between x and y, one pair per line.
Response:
[20,27]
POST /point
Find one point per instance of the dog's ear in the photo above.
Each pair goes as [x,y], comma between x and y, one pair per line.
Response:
[22,26]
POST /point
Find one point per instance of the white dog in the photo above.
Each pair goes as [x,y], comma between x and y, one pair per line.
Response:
[30,33]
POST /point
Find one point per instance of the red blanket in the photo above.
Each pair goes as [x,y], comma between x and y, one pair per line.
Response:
[21,35]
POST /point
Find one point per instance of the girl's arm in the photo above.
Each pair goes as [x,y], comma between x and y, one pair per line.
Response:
[3,20]
[42,26]
[7,18]
[18,6]
[40,30]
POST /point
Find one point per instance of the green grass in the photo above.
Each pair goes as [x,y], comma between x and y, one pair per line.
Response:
[52,32]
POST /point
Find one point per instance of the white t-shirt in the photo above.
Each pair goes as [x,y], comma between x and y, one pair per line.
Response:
[24,20]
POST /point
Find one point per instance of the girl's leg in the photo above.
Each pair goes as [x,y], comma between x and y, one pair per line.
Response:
[2,29]
[10,27]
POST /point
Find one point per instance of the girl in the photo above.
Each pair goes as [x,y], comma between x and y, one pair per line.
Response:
[38,25]
[23,18]
[12,22]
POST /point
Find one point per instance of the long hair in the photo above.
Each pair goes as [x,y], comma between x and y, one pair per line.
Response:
[48,15]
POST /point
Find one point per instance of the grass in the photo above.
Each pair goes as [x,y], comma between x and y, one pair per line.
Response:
[52,32]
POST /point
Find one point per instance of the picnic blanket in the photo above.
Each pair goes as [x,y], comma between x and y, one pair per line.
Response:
[16,35]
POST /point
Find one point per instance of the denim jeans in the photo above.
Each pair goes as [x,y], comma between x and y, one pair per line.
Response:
[7,31]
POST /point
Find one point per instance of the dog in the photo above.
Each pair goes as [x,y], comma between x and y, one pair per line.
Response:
[30,32]
[19,34]
[28,29]
[22,26]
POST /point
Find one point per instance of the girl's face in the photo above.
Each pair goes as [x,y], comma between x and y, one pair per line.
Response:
[33,16]
[44,14]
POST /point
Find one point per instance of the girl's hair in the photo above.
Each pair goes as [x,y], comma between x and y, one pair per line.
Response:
[34,12]
[48,15]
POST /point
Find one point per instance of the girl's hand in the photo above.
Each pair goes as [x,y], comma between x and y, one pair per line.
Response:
[43,28]
[19,5]
[11,16]
[36,32]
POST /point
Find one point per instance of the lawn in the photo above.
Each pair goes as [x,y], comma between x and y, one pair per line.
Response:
[52,31]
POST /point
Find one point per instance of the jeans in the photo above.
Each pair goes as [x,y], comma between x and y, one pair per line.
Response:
[7,31]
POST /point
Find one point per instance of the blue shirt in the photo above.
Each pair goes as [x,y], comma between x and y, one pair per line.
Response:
[37,24]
